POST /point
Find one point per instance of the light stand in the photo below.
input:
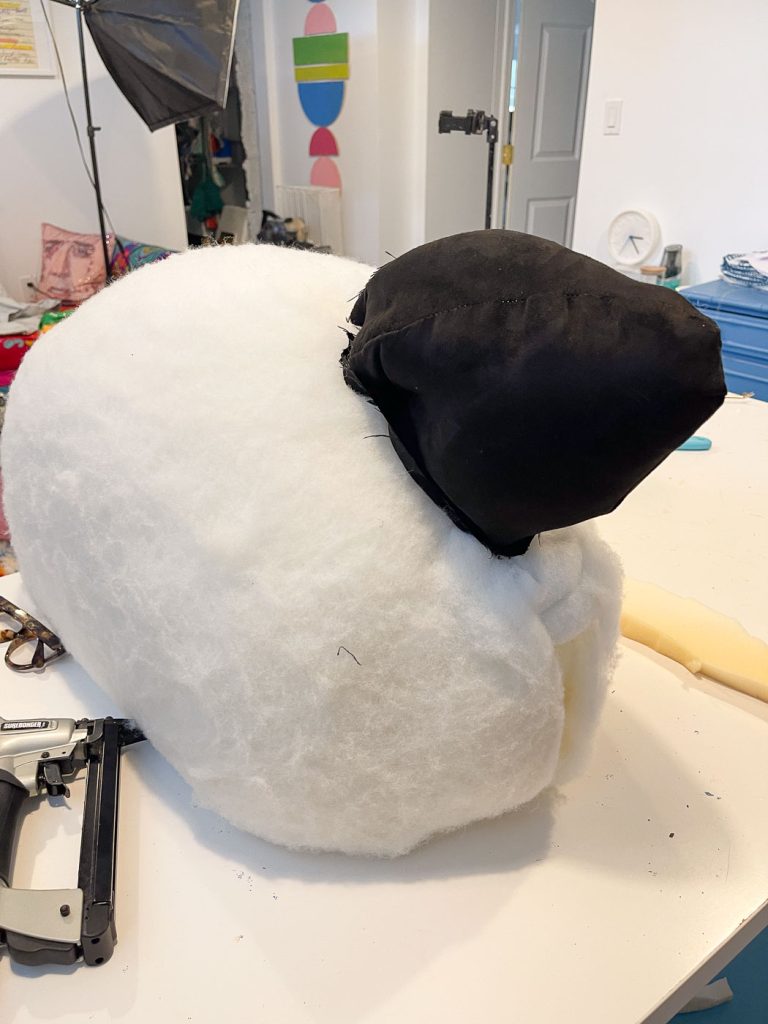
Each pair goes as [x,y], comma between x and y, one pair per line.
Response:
[91,129]
[475,123]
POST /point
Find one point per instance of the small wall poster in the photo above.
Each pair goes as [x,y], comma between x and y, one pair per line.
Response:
[25,45]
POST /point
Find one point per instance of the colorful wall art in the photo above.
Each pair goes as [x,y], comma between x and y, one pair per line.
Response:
[321,67]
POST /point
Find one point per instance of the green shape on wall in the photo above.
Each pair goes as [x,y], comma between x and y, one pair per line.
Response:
[330,49]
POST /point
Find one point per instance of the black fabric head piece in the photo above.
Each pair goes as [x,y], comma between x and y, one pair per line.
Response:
[527,387]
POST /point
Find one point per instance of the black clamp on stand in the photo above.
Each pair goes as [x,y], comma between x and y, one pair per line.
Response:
[475,122]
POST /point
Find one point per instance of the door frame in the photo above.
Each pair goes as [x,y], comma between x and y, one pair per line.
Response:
[502,73]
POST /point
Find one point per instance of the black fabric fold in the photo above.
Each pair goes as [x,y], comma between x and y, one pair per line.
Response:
[528,387]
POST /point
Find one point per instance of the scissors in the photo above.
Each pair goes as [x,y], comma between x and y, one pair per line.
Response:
[32,632]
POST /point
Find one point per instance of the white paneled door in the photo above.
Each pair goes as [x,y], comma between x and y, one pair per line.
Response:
[551,89]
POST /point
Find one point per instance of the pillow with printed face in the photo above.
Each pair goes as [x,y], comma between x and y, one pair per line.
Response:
[73,264]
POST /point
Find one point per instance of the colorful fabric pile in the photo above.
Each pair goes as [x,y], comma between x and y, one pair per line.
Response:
[55,316]
[13,348]
[130,255]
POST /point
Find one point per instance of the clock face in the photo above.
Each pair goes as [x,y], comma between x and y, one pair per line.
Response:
[633,236]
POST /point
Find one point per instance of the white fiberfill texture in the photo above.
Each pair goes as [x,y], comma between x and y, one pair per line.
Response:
[215,526]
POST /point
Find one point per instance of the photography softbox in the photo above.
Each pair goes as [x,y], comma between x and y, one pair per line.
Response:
[171,59]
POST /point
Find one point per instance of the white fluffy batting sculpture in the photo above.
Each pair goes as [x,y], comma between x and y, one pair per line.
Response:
[221,531]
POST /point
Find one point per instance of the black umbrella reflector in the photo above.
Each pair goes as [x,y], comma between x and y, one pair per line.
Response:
[170,58]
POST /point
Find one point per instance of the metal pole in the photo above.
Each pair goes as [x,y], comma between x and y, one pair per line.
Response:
[493,134]
[92,129]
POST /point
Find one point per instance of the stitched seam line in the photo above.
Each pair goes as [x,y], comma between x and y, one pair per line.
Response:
[482,302]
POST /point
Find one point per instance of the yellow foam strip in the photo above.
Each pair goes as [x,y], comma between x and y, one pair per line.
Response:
[697,637]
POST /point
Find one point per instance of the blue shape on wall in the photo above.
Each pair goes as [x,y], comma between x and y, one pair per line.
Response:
[321,101]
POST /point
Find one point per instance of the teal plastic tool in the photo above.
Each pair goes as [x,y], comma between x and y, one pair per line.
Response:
[696,444]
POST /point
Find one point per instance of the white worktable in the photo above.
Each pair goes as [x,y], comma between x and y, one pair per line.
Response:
[610,901]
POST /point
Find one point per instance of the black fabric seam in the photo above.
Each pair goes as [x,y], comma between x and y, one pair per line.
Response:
[481,302]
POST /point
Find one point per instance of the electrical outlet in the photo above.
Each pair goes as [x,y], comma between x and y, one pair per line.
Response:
[27,287]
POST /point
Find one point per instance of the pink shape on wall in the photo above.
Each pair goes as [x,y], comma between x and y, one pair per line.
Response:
[323,143]
[320,21]
[325,173]
[321,99]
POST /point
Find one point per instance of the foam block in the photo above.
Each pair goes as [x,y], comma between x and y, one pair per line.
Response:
[236,554]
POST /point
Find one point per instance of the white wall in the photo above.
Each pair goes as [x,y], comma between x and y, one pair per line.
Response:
[355,129]
[693,147]
[261,78]
[403,64]
[42,175]
[461,75]
[402,183]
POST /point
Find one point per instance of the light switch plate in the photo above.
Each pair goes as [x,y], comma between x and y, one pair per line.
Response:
[612,117]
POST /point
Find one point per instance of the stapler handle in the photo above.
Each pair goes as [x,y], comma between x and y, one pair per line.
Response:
[59,926]
[98,846]
[12,797]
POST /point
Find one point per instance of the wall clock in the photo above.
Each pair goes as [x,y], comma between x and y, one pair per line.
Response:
[633,236]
